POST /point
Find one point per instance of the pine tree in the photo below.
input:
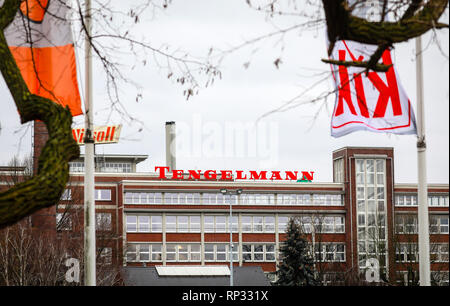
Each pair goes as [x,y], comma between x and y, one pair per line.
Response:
[297,267]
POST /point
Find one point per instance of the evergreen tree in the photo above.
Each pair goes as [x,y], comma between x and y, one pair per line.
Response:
[297,267]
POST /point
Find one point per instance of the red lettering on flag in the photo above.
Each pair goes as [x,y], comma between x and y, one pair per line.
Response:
[389,91]
[344,88]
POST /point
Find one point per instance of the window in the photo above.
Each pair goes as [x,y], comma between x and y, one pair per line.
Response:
[218,198]
[438,224]
[183,252]
[144,223]
[220,224]
[195,252]
[282,224]
[142,197]
[406,224]
[144,252]
[269,224]
[67,195]
[439,278]
[439,252]
[183,224]
[156,252]
[438,200]
[327,199]
[247,224]
[411,200]
[194,224]
[171,224]
[258,252]
[329,252]
[305,222]
[405,200]
[221,252]
[406,252]
[76,166]
[114,167]
[209,224]
[131,224]
[338,170]
[258,224]
[257,199]
[209,252]
[132,252]
[156,224]
[63,222]
[303,199]
[371,210]
[103,221]
[184,198]
[103,194]
[105,256]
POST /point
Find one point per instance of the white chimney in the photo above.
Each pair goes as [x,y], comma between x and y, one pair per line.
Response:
[170,145]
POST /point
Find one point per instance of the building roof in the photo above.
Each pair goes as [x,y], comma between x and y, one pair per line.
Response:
[193,270]
[149,276]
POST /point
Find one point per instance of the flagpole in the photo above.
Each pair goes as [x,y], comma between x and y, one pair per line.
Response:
[424,237]
[89,200]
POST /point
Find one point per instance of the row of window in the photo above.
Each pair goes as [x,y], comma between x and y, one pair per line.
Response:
[99,194]
[102,167]
[219,252]
[326,224]
[409,252]
[102,221]
[329,252]
[408,224]
[221,224]
[438,278]
[411,200]
[244,199]
[191,252]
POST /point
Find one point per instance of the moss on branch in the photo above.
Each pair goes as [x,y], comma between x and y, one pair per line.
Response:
[45,188]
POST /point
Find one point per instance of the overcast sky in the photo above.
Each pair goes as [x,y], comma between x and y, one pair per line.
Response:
[298,139]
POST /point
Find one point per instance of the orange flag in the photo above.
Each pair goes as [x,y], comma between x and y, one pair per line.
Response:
[40,40]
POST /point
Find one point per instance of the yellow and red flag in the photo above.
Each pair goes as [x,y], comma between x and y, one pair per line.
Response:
[41,42]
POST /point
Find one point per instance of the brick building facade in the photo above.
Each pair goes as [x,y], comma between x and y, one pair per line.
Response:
[362,214]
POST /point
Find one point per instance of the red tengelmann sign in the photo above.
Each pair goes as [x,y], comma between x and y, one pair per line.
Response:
[228,175]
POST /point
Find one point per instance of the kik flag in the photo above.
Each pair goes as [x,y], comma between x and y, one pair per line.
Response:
[40,39]
[375,101]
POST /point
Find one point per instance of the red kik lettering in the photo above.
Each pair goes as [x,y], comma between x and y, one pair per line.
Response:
[389,91]
[344,88]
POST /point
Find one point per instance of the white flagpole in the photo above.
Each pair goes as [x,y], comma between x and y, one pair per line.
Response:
[424,237]
[89,200]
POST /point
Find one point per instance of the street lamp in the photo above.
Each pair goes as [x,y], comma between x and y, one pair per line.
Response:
[231,192]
